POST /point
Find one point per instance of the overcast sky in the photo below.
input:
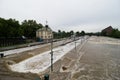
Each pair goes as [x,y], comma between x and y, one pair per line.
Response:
[77,15]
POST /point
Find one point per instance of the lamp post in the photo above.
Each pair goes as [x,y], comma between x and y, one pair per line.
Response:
[74,36]
[51,54]
[75,47]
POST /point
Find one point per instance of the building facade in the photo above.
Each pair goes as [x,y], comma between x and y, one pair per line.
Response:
[44,33]
[107,31]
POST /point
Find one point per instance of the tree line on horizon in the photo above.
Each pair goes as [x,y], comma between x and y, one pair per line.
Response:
[64,34]
[12,28]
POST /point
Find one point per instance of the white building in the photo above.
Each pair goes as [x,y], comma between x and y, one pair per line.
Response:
[44,33]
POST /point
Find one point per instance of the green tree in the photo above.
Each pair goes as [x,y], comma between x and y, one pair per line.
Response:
[30,27]
[77,33]
[72,32]
[115,33]
[59,34]
[68,34]
[14,28]
[63,34]
[9,28]
[82,33]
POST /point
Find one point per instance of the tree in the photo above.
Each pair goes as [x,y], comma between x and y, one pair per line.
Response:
[72,32]
[82,33]
[115,33]
[9,28]
[59,34]
[29,28]
[63,34]
[14,28]
[68,34]
[77,33]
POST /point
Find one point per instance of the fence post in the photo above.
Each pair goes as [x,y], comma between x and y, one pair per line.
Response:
[2,55]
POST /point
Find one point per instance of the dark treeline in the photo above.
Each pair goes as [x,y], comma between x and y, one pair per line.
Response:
[12,28]
[109,32]
[12,32]
[115,33]
[63,34]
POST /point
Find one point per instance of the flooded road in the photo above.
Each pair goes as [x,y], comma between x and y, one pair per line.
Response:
[100,61]
[97,58]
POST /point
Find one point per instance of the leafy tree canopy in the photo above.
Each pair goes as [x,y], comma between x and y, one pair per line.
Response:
[12,28]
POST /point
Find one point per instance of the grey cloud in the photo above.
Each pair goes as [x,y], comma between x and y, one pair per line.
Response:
[93,14]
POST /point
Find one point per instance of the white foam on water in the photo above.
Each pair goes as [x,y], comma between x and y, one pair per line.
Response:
[42,61]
